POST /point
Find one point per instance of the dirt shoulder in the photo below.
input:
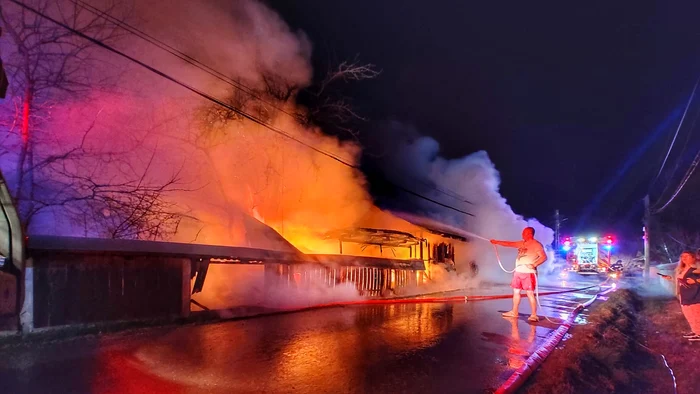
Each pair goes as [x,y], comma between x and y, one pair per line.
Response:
[606,355]
[663,327]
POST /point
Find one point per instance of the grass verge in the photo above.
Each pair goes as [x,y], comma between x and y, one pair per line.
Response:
[605,355]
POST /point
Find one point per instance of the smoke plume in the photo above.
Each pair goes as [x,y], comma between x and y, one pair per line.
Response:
[473,178]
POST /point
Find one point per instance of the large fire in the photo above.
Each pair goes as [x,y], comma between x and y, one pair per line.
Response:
[251,181]
[258,189]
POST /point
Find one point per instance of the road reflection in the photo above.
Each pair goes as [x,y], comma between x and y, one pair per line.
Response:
[328,351]
[519,348]
[445,348]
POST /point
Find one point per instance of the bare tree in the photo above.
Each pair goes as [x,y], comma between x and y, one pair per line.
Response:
[327,106]
[323,103]
[671,240]
[106,194]
[213,118]
[99,188]
[278,88]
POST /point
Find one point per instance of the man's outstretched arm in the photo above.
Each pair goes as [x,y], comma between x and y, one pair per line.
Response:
[508,244]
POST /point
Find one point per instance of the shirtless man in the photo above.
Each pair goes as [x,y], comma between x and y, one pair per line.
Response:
[531,254]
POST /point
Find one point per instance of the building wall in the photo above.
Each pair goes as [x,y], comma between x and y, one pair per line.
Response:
[8,295]
[79,288]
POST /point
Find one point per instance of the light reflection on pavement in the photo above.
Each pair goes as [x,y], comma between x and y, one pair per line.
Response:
[412,348]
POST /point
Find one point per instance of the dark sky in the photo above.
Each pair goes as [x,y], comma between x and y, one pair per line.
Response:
[563,97]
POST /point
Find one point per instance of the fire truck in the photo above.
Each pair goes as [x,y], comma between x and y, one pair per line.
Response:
[588,255]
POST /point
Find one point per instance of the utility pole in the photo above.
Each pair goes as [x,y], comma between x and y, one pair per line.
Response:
[647,220]
[558,220]
[557,229]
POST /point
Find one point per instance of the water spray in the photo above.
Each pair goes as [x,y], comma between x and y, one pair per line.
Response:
[495,249]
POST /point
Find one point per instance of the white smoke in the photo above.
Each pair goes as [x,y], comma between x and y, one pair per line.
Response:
[236,285]
[474,178]
[245,40]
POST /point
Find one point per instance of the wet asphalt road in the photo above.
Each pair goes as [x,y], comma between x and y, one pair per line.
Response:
[400,348]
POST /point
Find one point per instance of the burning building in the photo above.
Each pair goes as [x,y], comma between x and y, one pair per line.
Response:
[366,262]
[406,260]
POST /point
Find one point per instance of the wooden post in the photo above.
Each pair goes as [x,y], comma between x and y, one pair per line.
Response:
[185,291]
[26,316]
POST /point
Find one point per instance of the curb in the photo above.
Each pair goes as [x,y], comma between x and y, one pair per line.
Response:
[520,376]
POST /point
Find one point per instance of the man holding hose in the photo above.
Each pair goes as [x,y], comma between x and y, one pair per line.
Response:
[531,254]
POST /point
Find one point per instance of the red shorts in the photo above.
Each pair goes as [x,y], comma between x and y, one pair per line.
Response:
[523,281]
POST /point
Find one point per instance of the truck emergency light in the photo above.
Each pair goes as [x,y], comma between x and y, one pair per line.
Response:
[567,245]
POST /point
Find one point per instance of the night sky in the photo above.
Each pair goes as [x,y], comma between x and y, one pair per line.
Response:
[574,103]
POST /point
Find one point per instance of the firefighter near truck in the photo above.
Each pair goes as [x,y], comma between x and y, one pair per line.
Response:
[590,255]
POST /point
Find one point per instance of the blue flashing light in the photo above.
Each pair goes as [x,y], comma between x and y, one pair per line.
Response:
[566,248]
[608,247]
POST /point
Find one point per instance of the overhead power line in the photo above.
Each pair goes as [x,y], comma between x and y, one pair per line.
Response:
[222,103]
[682,184]
[673,141]
[680,155]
